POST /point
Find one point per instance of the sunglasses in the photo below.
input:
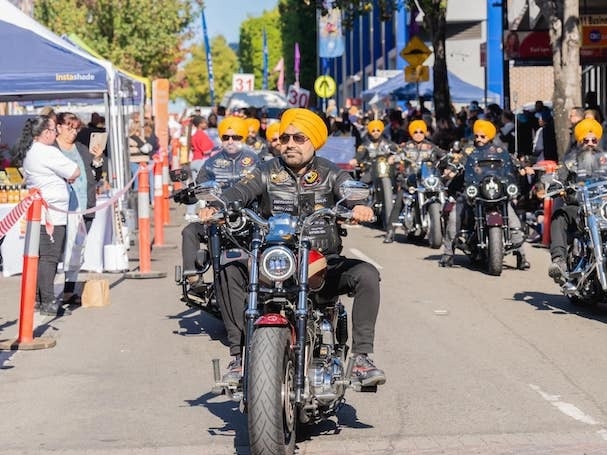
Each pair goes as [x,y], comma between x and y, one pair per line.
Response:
[234,137]
[418,132]
[275,139]
[480,136]
[298,138]
[376,131]
[592,140]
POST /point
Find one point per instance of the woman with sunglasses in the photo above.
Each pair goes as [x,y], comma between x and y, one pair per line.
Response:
[48,170]
[582,161]
[232,163]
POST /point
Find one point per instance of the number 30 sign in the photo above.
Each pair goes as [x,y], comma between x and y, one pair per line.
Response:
[298,97]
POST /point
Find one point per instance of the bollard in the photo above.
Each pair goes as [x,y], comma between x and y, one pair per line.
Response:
[158,202]
[549,167]
[175,164]
[143,199]
[166,217]
[29,283]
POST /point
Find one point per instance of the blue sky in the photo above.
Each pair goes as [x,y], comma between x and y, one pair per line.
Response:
[225,16]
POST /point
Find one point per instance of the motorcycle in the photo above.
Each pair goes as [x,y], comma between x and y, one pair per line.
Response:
[587,278]
[226,243]
[423,198]
[489,190]
[381,178]
[296,367]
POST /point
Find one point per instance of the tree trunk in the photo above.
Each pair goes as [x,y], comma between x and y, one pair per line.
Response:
[435,21]
[563,17]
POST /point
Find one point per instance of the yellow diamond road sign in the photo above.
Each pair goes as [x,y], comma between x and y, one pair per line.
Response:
[417,73]
[325,86]
[415,52]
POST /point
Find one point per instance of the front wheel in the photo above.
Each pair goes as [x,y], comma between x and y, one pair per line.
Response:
[495,250]
[435,233]
[386,189]
[272,412]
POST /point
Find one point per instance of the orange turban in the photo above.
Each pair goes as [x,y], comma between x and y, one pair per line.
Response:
[252,123]
[375,125]
[588,125]
[485,127]
[308,123]
[417,125]
[272,130]
[237,124]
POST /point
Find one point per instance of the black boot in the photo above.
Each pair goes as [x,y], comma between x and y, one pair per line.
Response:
[521,262]
[446,261]
[389,236]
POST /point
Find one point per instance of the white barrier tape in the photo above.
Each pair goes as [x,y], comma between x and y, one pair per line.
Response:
[106,204]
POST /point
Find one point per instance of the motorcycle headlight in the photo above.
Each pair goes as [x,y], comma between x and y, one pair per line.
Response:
[383,166]
[277,263]
[491,189]
[431,183]
[512,190]
[471,191]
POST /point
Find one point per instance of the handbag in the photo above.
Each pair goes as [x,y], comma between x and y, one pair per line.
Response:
[96,293]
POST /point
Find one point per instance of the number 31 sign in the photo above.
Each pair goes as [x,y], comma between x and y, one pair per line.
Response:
[298,97]
[243,82]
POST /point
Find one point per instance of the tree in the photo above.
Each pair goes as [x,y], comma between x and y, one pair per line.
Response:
[250,47]
[192,82]
[146,38]
[435,24]
[298,25]
[563,17]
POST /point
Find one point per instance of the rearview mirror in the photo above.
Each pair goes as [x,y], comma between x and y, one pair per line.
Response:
[180,174]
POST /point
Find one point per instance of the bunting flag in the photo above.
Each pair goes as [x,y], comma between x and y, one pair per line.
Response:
[297,63]
[280,68]
[265,60]
[209,60]
[330,37]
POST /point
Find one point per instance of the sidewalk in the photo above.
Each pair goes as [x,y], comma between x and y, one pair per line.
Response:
[118,375]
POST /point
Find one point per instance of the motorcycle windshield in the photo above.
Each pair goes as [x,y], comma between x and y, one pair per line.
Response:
[477,170]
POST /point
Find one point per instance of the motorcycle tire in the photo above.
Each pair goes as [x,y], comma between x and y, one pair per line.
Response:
[495,251]
[386,189]
[435,233]
[272,416]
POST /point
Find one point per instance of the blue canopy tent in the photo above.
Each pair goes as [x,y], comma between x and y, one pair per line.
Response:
[36,64]
[396,88]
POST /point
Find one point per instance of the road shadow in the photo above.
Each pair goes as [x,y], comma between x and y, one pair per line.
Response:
[234,421]
[193,322]
[559,304]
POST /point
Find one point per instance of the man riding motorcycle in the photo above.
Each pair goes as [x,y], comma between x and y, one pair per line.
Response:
[374,144]
[415,151]
[231,164]
[298,182]
[582,161]
[484,148]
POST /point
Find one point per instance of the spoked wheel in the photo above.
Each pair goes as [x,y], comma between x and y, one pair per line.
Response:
[272,413]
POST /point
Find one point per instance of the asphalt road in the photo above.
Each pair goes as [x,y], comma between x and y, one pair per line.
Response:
[475,364]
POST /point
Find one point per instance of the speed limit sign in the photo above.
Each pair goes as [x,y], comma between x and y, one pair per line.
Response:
[298,97]
[243,82]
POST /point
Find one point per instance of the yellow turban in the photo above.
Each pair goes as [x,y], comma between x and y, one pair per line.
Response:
[252,123]
[237,124]
[588,125]
[308,123]
[485,127]
[375,125]
[272,130]
[417,125]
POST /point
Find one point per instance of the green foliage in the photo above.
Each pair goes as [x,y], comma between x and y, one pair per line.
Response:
[192,83]
[298,25]
[250,48]
[143,36]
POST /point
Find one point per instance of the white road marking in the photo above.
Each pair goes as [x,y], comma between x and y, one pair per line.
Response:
[569,409]
[360,255]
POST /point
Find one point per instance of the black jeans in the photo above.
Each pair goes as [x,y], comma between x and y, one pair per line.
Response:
[50,253]
[191,237]
[344,276]
[564,222]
